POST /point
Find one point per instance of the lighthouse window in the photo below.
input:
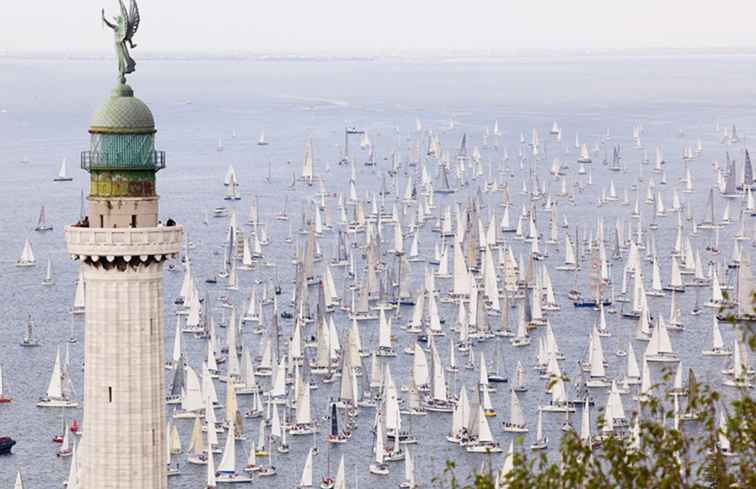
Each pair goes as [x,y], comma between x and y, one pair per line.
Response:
[110,394]
[102,221]
[133,221]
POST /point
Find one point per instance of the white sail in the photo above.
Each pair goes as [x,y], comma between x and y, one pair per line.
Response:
[62,174]
[177,350]
[384,331]
[722,440]
[211,470]
[79,296]
[304,413]
[55,387]
[340,481]
[306,479]
[716,341]
[19,483]
[420,372]
[585,424]
[596,355]
[484,430]
[228,462]
[378,450]
[308,165]
[27,254]
[192,398]
[409,470]
[517,417]
[439,379]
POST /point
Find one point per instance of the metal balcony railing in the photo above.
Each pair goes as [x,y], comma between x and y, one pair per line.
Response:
[97,160]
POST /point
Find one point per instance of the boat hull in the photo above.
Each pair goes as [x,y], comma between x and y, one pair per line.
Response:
[6,444]
[57,403]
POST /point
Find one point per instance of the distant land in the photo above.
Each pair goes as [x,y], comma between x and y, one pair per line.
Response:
[409,55]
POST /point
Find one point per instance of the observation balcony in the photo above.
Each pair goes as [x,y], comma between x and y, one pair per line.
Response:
[108,243]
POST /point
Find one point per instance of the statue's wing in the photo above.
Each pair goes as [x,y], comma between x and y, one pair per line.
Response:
[133,19]
[125,16]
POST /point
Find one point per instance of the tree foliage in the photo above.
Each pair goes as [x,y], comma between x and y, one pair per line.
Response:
[666,452]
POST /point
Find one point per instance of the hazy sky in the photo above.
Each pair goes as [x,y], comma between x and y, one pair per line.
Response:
[382,25]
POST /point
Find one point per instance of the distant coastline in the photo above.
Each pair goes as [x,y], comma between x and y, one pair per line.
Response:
[522,55]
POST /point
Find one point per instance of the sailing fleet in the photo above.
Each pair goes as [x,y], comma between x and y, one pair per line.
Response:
[419,295]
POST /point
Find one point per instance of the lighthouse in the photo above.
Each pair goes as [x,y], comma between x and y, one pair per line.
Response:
[121,247]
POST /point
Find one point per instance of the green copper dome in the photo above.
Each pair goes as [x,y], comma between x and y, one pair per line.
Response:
[123,113]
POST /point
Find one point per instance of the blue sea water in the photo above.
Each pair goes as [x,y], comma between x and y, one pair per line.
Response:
[45,107]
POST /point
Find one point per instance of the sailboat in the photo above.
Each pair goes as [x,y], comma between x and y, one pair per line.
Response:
[596,361]
[4,399]
[516,423]
[262,141]
[79,305]
[197,449]
[308,174]
[659,348]
[541,441]
[595,282]
[66,446]
[270,470]
[710,220]
[409,473]
[675,282]
[48,280]
[379,466]
[233,191]
[584,156]
[739,375]
[29,340]
[518,383]
[495,375]
[283,216]
[19,482]
[335,436]
[60,388]
[717,345]
[339,482]
[252,465]
[485,442]
[62,174]
[438,400]
[211,481]
[521,338]
[42,224]
[226,472]
[27,256]
[385,348]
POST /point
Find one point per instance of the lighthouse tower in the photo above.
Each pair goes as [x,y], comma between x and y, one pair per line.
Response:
[121,247]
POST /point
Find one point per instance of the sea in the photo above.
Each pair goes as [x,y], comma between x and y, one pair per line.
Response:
[46,104]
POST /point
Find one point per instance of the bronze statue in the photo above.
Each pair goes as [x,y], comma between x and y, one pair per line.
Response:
[124,27]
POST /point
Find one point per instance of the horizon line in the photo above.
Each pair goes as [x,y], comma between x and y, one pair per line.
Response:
[369,55]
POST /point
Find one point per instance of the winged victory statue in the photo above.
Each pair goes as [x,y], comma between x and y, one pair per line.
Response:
[124,27]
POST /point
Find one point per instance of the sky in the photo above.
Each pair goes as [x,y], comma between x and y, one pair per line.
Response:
[381,26]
